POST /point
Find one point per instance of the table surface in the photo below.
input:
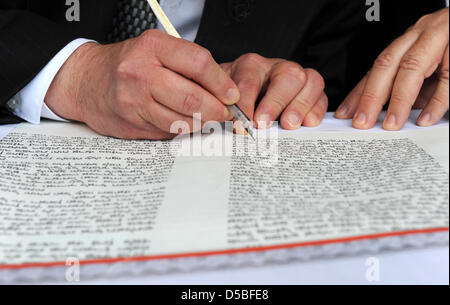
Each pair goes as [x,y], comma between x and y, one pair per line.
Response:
[414,266]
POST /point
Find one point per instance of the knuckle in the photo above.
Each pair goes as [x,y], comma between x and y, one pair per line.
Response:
[384,61]
[202,60]
[150,36]
[411,29]
[411,63]
[294,70]
[150,39]
[251,58]
[424,20]
[190,104]
[127,70]
[415,30]
[316,79]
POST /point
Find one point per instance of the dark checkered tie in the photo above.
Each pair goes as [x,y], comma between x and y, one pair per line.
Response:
[133,18]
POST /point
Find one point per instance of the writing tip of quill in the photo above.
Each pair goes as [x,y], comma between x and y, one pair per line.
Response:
[251,133]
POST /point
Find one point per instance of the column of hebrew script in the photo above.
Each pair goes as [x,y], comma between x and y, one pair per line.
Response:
[86,197]
[66,192]
[318,189]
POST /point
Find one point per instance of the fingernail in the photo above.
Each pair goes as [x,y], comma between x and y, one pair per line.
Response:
[361,119]
[313,121]
[233,96]
[391,121]
[264,121]
[425,119]
[293,120]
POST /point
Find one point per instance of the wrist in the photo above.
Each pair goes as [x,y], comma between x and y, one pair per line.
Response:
[66,94]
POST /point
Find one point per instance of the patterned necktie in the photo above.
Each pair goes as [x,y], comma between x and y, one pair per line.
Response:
[132,19]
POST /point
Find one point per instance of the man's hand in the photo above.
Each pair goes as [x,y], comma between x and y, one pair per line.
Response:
[286,89]
[138,88]
[411,72]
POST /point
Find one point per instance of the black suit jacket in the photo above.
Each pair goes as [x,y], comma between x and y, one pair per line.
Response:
[331,36]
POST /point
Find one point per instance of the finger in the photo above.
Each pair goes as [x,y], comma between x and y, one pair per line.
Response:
[380,81]
[122,128]
[186,97]
[239,129]
[425,95]
[250,79]
[348,107]
[151,132]
[315,117]
[418,64]
[197,63]
[438,105]
[297,110]
[286,80]
[168,120]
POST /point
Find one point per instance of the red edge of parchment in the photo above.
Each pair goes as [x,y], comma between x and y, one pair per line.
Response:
[225,252]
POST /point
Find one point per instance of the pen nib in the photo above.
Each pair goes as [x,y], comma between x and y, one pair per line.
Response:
[251,133]
[245,122]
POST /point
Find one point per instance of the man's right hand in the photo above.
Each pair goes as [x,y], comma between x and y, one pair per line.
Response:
[138,88]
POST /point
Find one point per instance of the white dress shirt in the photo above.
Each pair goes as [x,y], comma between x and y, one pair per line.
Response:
[29,103]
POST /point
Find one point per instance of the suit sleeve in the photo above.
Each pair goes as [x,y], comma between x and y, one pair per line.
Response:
[27,43]
[327,44]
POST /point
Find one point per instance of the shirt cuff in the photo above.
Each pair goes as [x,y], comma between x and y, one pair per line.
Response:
[29,104]
[46,113]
